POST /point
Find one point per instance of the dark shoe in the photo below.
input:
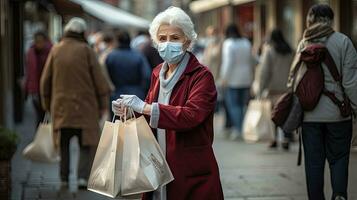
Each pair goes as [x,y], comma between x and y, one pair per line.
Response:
[340,198]
[273,145]
[286,146]
[82,183]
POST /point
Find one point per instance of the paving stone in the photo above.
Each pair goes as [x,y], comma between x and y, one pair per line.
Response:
[48,193]
[31,193]
[270,198]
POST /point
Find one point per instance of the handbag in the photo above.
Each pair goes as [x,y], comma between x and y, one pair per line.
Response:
[287,112]
[42,148]
[257,125]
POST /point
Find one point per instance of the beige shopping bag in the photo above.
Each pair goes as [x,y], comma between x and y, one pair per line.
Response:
[105,177]
[128,161]
[144,164]
[42,148]
[257,125]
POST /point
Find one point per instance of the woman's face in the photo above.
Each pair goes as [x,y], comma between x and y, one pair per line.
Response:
[170,33]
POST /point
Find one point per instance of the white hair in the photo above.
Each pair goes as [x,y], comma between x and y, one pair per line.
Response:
[173,16]
[76,24]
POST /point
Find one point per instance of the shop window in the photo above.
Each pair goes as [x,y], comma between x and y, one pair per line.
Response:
[285,19]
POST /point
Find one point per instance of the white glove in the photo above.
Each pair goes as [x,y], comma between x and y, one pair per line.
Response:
[133,102]
[118,108]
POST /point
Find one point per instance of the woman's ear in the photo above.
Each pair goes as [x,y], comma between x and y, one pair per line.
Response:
[186,45]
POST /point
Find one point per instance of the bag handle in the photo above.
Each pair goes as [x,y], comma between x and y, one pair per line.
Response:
[47,118]
[128,113]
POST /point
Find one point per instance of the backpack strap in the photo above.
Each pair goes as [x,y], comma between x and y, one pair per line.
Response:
[331,65]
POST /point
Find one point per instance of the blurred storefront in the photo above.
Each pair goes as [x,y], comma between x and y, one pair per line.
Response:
[11,17]
[257,18]
[20,19]
[220,13]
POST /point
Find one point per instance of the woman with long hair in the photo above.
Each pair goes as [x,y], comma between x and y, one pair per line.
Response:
[273,73]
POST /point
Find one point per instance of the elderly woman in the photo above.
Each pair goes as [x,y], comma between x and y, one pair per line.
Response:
[180,105]
[326,133]
[74,90]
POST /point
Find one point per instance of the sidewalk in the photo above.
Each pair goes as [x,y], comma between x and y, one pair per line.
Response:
[32,180]
[248,171]
[253,172]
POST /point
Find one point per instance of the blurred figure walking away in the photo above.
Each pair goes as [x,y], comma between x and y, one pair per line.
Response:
[273,73]
[35,61]
[326,134]
[139,41]
[75,91]
[128,69]
[212,55]
[236,76]
[106,47]
[151,54]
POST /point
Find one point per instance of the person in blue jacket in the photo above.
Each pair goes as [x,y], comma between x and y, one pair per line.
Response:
[128,69]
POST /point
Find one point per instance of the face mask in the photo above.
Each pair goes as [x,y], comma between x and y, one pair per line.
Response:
[171,52]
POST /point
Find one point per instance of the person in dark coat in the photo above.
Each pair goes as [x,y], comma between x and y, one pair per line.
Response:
[128,69]
[75,92]
[180,107]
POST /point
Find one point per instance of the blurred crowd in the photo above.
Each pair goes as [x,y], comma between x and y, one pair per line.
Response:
[77,79]
[120,64]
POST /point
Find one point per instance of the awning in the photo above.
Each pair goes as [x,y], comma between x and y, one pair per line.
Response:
[112,15]
[206,5]
[65,7]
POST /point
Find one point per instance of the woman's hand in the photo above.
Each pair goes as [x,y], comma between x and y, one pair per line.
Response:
[134,102]
[118,108]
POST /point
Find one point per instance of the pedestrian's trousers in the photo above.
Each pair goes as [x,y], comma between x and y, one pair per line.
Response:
[86,154]
[236,100]
[331,141]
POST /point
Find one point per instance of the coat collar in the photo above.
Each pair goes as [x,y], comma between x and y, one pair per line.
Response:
[193,65]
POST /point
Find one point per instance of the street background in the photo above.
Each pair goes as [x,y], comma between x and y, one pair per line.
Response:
[248,171]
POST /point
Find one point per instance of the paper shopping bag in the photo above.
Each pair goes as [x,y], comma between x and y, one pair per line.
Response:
[106,173]
[144,165]
[257,125]
[42,148]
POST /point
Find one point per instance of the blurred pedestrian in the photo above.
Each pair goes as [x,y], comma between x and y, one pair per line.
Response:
[35,61]
[180,105]
[74,90]
[212,57]
[151,54]
[128,69]
[107,45]
[326,134]
[273,73]
[138,42]
[236,76]
[213,51]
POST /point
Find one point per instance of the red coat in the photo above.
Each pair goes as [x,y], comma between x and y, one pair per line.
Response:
[35,62]
[188,120]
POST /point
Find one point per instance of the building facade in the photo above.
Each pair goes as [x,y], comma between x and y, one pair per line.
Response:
[257,18]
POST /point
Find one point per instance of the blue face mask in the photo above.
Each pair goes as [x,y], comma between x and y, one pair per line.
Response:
[171,52]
